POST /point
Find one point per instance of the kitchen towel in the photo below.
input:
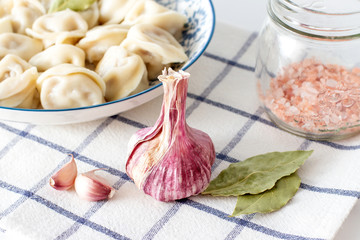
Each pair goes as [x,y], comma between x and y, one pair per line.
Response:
[222,101]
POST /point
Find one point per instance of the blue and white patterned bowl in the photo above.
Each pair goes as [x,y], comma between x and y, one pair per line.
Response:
[199,31]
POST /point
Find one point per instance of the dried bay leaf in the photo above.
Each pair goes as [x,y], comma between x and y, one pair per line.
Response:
[256,174]
[270,200]
[75,5]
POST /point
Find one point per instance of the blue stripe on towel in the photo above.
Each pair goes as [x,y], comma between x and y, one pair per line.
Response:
[73,228]
[233,142]
[222,74]
[62,211]
[339,146]
[333,191]
[243,222]
[231,109]
[229,62]
[130,122]
[15,140]
[64,150]
[54,146]
[239,228]
[162,221]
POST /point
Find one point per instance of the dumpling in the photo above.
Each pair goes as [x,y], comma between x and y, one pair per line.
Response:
[20,45]
[124,73]
[5,7]
[100,38]
[153,13]
[91,15]
[70,86]
[5,15]
[46,4]
[58,54]
[114,11]
[157,47]
[6,25]
[17,83]
[59,27]
[24,13]
[31,101]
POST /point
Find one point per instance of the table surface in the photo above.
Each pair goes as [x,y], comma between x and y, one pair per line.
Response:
[249,15]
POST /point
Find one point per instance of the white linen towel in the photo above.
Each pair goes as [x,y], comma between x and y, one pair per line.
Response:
[222,101]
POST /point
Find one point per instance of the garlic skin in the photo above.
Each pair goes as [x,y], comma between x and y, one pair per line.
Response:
[171,160]
[65,177]
[92,187]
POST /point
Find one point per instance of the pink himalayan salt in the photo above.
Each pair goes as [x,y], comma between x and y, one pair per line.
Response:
[316,97]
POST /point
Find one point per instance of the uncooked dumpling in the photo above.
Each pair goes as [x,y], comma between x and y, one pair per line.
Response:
[17,83]
[70,86]
[20,45]
[124,73]
[100,38]
[5,7]
[91,15]
[58,54]
[145,11]
[46,4]
[6,25]
[59,27]
[114,11]
[24,13]
[157,47]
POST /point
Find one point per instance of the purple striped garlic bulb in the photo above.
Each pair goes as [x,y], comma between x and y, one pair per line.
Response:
[171,160]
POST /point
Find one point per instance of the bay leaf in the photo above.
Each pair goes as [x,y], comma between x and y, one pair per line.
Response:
[256,174]
[270,200]
[75,5]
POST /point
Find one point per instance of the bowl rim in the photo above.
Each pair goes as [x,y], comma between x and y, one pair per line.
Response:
[186,66]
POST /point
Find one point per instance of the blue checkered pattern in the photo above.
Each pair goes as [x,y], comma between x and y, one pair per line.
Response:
[222,101]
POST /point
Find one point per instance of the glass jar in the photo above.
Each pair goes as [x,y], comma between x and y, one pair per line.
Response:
[308,67]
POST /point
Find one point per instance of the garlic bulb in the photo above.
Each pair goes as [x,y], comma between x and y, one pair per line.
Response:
[171,160]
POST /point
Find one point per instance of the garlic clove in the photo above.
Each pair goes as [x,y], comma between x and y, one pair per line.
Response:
[171,160]
[92,187]
[65,177]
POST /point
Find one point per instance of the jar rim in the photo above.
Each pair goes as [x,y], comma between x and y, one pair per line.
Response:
[317,19]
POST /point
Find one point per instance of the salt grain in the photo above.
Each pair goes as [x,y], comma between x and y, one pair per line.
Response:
[331,83]
[347,102]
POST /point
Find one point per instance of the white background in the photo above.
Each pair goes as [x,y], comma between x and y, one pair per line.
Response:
[249,15]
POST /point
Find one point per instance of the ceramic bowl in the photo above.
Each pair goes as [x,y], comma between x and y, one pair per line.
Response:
[196,37]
